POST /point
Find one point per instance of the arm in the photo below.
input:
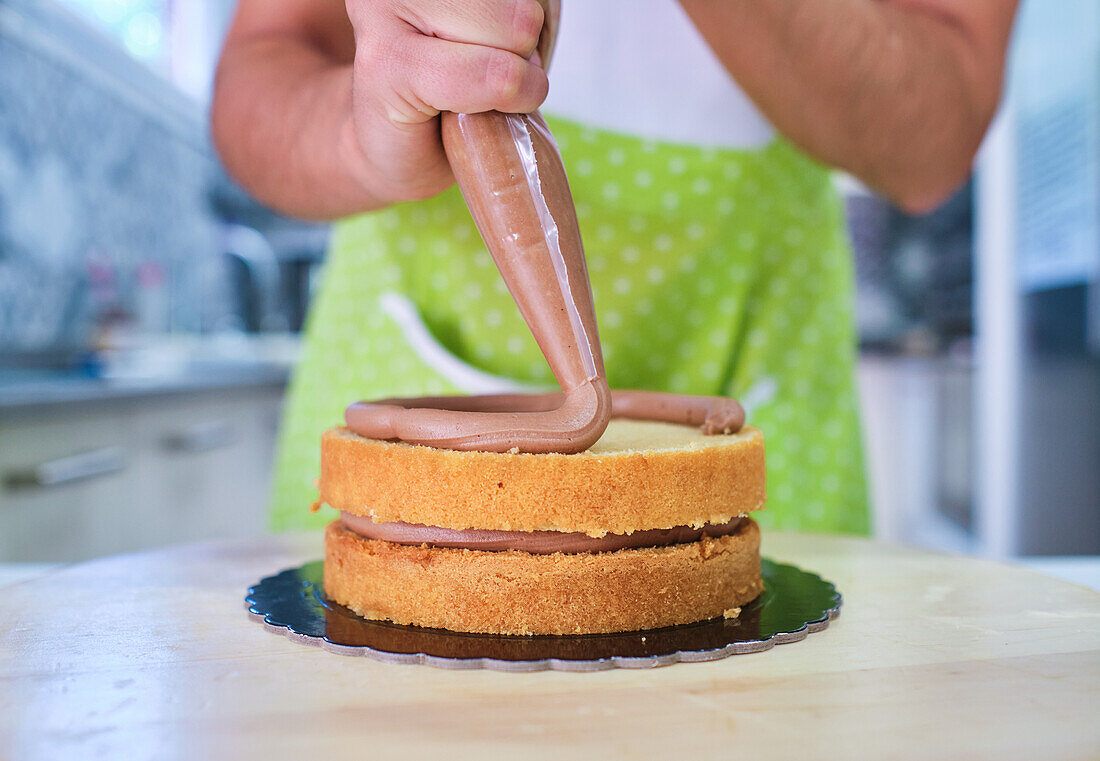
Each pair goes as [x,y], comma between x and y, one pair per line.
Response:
[897,92]
[323,109]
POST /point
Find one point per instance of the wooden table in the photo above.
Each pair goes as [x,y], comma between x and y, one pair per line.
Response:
[151,655]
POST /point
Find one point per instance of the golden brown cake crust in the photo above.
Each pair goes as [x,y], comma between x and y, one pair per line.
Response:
[674,477]
[519,593]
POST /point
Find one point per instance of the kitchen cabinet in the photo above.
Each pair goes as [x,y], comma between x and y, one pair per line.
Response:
[79,481]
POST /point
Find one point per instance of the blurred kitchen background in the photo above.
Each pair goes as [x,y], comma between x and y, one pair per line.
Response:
[149,310]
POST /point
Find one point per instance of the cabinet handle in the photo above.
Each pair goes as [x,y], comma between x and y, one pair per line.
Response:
[66,470]
[200,437]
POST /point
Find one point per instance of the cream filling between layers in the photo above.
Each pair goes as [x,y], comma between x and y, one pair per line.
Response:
[534,542]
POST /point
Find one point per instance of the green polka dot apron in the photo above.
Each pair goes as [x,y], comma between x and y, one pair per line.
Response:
[714,271]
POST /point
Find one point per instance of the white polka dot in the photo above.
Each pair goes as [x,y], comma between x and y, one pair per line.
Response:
[473,291]
[680,382]
[584,210]
[656,361]
[391,220]
[817,455]
[439,281]
[830,483]
[434,387]
[677,165]
[482,259]
[655,275]
[706,286]
[637,223]
[391,273]
[616,156]
[663,242]
[500,286]
[783,492]
[612,320]
[406,244]
[631,255]
[724,205]
[731,171]
[793,236]
[670,200]
[493,318]
[700,186]
[515,345]
[643,179]
[621,285]
[718,337]
[811,334]
[816,510]
[728,305]
[757,338]
[461,232]
[644,307]
[597,262]
[584,167]
[688,264]
[484,350]
[778,287]
[832,428]
[695,231]
[696,317]
[746,240]
[649,145]
[710,370]
[799,266]
[537,368]
[588,135]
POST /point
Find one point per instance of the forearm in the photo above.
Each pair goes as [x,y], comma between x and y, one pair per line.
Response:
[894,93]
[282,123]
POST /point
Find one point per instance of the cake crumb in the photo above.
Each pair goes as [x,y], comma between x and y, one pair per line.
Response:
[731,613]
[315,506]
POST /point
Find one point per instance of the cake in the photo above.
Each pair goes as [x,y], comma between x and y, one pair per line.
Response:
[647,528]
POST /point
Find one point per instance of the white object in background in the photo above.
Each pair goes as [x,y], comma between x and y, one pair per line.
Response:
[998,342]
[465,377]
[900,402]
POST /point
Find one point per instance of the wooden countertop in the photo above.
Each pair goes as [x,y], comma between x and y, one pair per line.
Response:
[151,655]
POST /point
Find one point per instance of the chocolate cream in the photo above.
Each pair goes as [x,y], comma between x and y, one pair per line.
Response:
[534,542]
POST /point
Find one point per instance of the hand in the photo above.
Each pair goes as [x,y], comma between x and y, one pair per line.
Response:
[415,58]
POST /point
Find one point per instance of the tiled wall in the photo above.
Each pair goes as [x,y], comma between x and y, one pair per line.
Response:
[103,168]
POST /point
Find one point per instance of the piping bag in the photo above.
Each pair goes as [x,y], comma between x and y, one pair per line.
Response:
[511,175]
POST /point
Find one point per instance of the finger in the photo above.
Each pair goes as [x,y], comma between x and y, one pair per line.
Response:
[512,25]
[465,78]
